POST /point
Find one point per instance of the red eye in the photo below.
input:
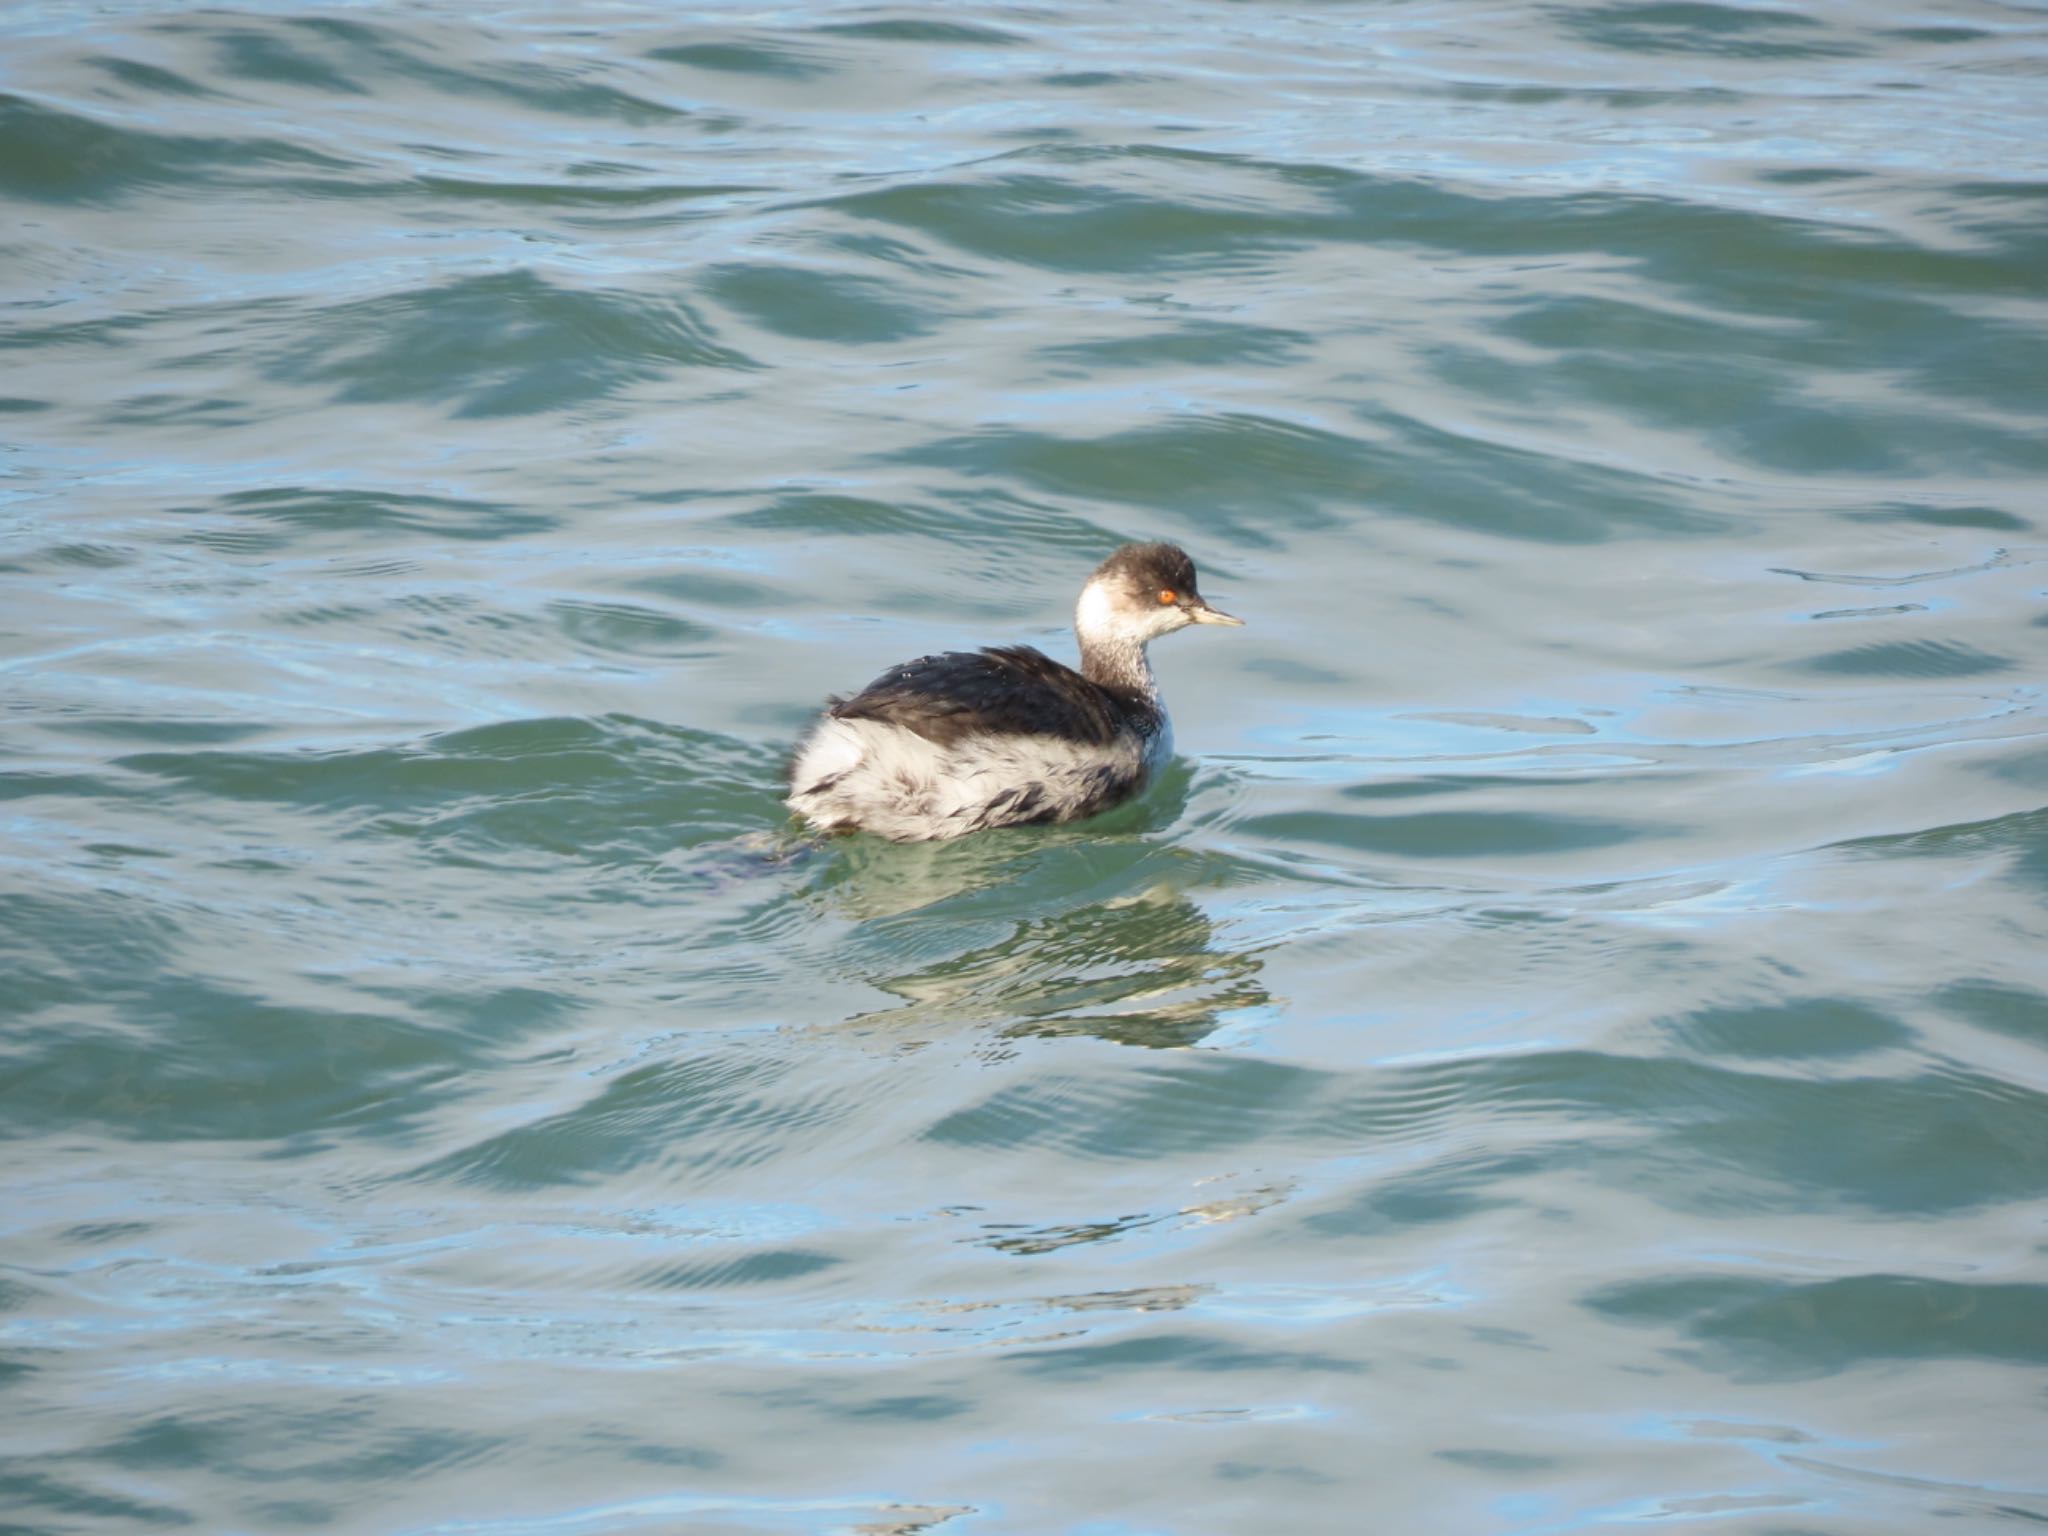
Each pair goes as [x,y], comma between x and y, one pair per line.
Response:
[1166,596]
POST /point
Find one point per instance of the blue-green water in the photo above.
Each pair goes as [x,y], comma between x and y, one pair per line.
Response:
[1563,1050]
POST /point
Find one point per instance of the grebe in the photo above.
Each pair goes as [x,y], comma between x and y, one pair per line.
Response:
[947,745]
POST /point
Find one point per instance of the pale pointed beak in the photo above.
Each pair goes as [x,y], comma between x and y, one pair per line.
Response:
[1202,613]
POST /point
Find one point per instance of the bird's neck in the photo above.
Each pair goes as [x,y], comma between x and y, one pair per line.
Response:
[1117,661]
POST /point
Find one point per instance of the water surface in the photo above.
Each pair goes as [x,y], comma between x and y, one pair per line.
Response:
[1563,1050]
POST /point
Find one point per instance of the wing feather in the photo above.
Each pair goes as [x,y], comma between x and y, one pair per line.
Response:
[1011,690]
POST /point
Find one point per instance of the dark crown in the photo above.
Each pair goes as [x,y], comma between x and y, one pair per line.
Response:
[1144,566]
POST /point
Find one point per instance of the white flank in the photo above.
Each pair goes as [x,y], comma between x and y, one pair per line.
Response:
[895,784]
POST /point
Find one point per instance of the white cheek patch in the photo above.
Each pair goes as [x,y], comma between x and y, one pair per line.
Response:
[1096,614]
[1101,618]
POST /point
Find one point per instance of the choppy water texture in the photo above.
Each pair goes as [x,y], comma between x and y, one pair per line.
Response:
[1564,1049]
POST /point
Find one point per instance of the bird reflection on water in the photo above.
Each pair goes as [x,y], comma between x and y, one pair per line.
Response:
[1122,954]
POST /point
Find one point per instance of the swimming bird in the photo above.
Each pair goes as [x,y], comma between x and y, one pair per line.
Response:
[960,742]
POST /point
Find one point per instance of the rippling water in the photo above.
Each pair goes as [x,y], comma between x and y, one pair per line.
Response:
[1565,1048]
